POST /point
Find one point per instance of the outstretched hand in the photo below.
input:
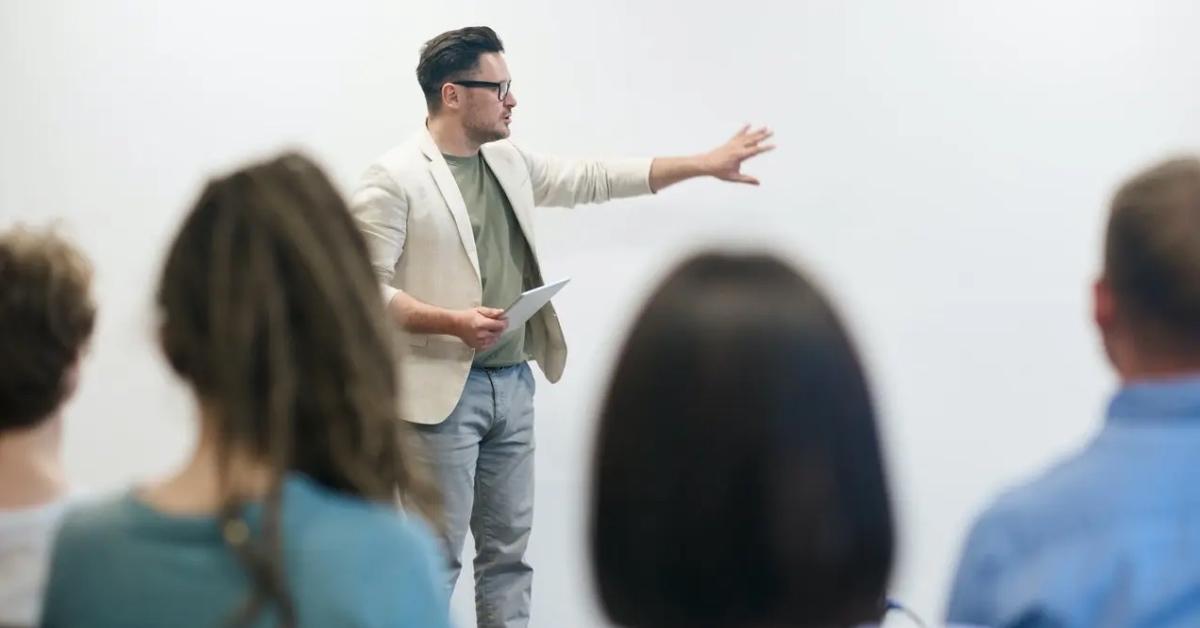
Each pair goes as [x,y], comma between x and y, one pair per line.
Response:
[725,161]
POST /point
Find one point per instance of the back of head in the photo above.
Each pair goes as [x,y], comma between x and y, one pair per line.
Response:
[46,318]
[738,475]
[1152,257]
[271,313]
[450,56]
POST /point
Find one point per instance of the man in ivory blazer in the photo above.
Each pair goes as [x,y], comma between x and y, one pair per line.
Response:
[448,220]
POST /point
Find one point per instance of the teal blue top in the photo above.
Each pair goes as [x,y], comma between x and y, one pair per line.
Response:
[348,562]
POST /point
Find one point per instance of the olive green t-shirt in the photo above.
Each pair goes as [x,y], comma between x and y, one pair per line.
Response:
[506,265]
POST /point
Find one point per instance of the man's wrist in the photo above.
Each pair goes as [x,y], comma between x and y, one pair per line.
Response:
[453,322]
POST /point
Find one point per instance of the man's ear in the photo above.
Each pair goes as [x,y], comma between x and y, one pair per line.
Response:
[1104,305]
[450,95]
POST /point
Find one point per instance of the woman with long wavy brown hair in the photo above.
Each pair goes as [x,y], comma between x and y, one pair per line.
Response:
[285,514]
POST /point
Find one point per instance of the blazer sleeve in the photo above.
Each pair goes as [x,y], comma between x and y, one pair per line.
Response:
[381,211]
[559,182]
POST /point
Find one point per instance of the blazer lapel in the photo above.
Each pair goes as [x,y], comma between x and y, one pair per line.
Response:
[511,176]
[452,195]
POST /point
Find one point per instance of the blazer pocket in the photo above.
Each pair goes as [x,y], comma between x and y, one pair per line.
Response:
[443,347]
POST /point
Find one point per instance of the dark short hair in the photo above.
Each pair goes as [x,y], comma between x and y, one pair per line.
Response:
[1152,254]
[738,476]
[453,55]
[46,317]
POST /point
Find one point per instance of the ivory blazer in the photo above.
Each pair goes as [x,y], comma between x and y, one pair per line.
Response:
[415,223]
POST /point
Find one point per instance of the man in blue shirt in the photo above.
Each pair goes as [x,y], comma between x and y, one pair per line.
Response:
[1111,535]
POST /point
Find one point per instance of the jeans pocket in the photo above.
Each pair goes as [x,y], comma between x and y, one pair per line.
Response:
[528,378]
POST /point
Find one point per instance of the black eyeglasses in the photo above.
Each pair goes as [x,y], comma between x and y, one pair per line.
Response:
[501,88]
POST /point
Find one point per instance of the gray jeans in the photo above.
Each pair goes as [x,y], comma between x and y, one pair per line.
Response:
[482,455]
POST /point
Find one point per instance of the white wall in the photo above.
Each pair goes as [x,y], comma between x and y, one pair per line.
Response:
[943,168]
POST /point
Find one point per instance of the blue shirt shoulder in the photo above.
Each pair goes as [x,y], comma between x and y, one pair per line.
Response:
[1107,535]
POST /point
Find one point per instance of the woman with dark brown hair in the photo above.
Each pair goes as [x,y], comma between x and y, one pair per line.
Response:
[285,514]
[739,481]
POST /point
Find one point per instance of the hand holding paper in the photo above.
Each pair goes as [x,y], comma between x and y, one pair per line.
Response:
[529,303]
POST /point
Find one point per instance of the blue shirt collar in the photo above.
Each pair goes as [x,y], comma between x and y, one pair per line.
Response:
[1157,399]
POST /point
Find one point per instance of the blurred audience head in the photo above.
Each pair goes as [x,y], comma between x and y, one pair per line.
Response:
[1147,301]
[46,319]
[738,476]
